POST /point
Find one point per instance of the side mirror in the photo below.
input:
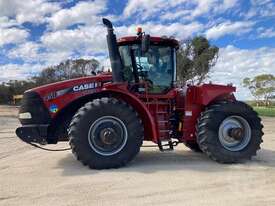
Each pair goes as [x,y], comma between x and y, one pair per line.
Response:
[145,43]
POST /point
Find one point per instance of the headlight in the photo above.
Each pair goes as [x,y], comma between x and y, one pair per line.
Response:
[25,115]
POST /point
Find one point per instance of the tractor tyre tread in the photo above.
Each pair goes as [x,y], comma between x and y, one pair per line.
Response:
[78,135]
[208,125]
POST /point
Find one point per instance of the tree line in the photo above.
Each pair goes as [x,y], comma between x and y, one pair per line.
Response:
[195,58]
[65,70]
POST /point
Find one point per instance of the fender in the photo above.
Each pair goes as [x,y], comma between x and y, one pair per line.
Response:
[208,93]
[121,91]
[118,91]
[197,98]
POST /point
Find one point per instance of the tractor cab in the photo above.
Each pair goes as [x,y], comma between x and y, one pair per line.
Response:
[149,63]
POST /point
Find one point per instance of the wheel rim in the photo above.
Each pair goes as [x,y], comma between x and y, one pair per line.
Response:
[234,133]
[107,135]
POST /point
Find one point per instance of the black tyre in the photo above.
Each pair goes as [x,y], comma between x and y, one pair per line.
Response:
[105,133]
[229,132]
[193,146]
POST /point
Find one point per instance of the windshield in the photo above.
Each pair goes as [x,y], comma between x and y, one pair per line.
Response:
[155,66]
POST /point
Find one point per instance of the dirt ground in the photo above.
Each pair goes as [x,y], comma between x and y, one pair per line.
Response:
[29,176]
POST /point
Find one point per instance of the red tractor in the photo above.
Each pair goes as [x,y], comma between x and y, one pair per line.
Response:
[107,117]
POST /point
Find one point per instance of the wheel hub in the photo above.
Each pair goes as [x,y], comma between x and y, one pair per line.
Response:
[234,133]
[107,135]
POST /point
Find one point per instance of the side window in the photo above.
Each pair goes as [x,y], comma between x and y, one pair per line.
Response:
[127,63]
[157,63]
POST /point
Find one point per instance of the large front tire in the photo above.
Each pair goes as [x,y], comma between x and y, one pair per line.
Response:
[105,133]
[229,132]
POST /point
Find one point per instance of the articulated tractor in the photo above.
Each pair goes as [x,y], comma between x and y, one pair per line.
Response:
[107,117]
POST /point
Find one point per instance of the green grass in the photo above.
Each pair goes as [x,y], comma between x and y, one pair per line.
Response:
[265,111]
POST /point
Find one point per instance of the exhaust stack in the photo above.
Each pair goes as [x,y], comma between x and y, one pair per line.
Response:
[114,55]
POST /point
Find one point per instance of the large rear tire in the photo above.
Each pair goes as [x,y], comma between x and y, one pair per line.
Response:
[229,132]
[105,133]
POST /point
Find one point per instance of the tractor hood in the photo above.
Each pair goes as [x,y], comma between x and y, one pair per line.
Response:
[73,85]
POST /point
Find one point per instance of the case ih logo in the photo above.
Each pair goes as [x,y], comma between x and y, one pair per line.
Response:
[82,87]
[77,88]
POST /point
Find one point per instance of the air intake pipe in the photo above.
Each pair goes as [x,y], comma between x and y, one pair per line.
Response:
[114,55]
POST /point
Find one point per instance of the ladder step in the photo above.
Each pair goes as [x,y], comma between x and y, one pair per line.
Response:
[163,121]
[159,103]
[169,145]
[164,130]
[162,112]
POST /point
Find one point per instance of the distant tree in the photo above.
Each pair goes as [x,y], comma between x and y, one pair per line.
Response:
[261,87]
[195,58]
[66,70]
[5,95]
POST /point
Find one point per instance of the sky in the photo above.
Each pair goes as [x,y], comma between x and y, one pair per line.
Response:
[35,34]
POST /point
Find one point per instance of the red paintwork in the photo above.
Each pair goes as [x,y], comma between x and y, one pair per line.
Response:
[154,109]
[150,127]
[64,100]
[196,98]
[155,40]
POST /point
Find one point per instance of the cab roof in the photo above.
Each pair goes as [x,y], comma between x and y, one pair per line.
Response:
[153,40]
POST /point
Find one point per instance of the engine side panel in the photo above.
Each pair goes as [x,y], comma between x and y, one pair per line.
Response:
[58,95]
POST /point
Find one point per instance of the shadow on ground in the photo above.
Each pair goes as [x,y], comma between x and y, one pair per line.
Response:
[154,161]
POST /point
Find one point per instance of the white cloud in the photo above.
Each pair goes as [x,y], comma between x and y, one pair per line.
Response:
[178,30]
[145,7]
[82,39]
[235,64]
[175,15]
[12,35]
[170,10]
[268,33]
[27,51]
[5,22]
[18,72]
[227,4]
[260,9]
[92,39]
[225,28]
[37,53]
[203,7]
[27,10]
[83,12]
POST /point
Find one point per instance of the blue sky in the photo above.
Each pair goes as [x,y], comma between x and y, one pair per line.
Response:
[38,33]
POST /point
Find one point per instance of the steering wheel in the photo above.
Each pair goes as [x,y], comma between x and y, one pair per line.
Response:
[141,71]
[139,67]
[144,75]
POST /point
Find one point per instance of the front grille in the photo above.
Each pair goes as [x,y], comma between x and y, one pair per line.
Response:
[33,103]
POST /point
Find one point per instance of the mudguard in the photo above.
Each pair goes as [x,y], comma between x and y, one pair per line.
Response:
[196,99]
